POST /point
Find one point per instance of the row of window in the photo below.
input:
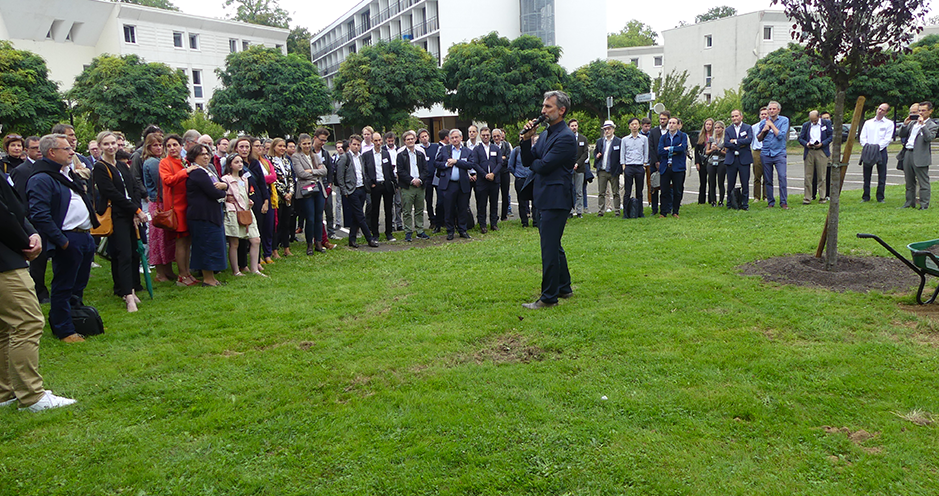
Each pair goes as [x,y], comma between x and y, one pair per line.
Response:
[767,36]
[130,36]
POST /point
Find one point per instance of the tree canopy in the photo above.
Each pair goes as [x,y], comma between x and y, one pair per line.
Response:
[298,41]
[680,99]
[265,12]
[29,102]
[126,94]
[266,92]
[898,82]
[590,85]
[634,34]
[715,13]
[384,83]
[788,76]
[500,81]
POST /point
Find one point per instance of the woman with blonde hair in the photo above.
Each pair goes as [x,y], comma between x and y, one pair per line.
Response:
[700,160]
[161,243]
[717,170]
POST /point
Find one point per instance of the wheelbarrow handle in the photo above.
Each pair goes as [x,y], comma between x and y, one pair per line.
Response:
[866,236]
[894,252]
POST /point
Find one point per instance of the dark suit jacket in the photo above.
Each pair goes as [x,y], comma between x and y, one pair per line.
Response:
[49,194]
[678,152]
[202,198]
[552,162]
[742,145]
[387,170]
[262,192]
[827,136]
[20,177]
[330,167]
[431,170]
[404,167]
[616,166]
[655,134]
[464,164]
[583,153]
[488,161]
[506,151]
[15,230]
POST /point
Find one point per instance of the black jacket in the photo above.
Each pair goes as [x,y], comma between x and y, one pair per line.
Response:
[15,229]
[114,185]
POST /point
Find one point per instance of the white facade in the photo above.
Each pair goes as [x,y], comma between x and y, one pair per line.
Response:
[716,54]
[436,25]
[68,34]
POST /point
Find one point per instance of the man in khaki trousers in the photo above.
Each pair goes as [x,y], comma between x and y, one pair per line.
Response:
[815,137]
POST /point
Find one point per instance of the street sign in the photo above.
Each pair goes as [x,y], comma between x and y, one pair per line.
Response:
[645,97]
[609,101]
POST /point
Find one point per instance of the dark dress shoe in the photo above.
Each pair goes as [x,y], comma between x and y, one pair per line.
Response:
[352,244]
[373,243]
[423,236]
[465,235]
[565,295]
[436,230]
[483,230]
[537,305]
[309,249]
[449,236]
[494,228]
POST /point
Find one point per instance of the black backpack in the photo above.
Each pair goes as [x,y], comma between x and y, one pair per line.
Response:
[87,320]
[735,199]
[633,209]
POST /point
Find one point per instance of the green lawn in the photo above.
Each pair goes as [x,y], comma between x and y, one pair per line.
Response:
[417,372]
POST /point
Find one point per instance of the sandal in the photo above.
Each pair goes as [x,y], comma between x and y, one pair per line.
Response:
[259,273]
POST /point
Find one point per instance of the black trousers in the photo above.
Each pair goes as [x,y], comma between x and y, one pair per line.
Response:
[735,169]
[703,184]
[353,207]
[881,177]
[429,205]
[504,187]
[382,192]
[125,260]
[525,201]
[633,174]
[717,174]
[37,270]
[487,192]
[555,276]
[673,189]
[286,225]
[455,204]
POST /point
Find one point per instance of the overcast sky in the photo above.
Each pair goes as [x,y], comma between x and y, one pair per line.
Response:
[315,15]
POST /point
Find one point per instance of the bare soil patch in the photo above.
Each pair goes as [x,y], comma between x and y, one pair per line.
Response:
[858,437]
[507,348]
[860,274]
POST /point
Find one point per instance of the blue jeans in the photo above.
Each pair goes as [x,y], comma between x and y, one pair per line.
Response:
[312,209]
[70,270]
[779,161]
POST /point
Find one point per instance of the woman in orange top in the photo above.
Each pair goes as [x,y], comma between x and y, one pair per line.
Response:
[174,174]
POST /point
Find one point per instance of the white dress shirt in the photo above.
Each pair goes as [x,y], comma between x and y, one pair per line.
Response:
[879,132]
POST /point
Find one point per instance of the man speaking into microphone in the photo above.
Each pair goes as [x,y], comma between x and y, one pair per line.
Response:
[552,161]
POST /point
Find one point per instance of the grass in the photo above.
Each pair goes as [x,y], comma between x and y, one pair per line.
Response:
[417,372]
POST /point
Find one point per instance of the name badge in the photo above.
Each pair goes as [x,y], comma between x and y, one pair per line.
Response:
[385,160]
[616,148]
[743,133]
[493,154]
[581,143]
[246,173]
[824,128]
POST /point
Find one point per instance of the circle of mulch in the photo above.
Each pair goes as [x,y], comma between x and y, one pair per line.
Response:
[860,274]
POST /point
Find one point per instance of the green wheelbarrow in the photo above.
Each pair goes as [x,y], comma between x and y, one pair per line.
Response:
[924,263]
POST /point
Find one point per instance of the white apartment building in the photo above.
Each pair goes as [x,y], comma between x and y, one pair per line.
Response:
[435,25]
[716,54]
[68,34]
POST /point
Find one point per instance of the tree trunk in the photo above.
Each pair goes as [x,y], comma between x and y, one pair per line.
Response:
[831,243]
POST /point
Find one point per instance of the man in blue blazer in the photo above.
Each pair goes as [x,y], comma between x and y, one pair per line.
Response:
[454,162]
[672,152]
[489,173]
[61,211]
[552,160]
[609,168]
[815,137]
[737,139]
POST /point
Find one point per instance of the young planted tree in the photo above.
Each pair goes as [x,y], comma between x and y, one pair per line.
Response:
[846,38]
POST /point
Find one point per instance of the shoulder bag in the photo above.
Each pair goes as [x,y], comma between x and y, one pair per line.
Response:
[105,224]
[166,219]
[245,217]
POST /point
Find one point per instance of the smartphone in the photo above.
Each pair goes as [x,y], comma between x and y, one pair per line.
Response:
[913,117]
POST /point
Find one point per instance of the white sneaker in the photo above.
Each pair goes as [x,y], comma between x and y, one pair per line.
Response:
[48,401]
[94,265]
[7,403]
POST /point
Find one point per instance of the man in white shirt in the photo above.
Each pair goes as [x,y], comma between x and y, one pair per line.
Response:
[877,131]
[473,140]
[756,146]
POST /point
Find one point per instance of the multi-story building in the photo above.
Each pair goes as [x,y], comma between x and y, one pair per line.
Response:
[435,25]
[716,54]
[68,34]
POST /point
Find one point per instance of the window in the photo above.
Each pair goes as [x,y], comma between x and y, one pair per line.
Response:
[200,107]
[194,41]
[279,47]
[708,41]
[657,61]
[768,33]
[245,44]
[177,39]
[707,98]
[634,62]
[707,76]
[130,34]
[197,83]
[232,45]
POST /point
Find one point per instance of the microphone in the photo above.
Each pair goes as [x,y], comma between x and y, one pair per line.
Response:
[541,118]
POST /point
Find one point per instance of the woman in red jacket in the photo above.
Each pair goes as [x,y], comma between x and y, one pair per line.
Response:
[174,174]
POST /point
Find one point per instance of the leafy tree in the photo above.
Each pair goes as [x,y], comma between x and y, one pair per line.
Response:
[720,108]
[680,99]
[29,102]
[927,55]
[126,93]
[898,82]
[847,38]
[298,41]
[266,92]
[384,83]
[635,33]
[590,85]
[201,122]
[715,13]
[789,77]
[499,81]
[265,12]
[927,41]
[160,4]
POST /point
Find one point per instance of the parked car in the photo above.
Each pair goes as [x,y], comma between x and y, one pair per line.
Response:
[794,132]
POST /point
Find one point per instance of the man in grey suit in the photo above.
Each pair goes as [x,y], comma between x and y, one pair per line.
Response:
[917,131]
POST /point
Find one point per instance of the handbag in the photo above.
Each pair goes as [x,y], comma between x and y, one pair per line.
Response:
[245,218]
[166,219]
[105,224]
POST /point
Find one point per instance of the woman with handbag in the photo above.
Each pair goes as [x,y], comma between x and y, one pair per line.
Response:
[311,193]
[717,171]
[240,222]
[285,191]
[114,192]
[161,243]
[204,194]
[173,175]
